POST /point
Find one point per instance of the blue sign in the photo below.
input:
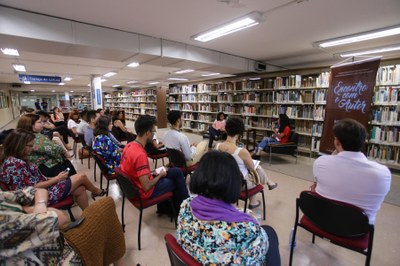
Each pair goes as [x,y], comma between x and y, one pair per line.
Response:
[34,78]
[98,96]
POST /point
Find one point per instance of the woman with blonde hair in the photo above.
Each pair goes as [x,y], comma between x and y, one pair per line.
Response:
[73,121]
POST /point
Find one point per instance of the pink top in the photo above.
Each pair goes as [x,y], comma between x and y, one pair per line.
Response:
[218,124]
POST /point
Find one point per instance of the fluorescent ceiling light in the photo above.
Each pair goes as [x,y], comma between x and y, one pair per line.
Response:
[27,82]
[132,81]
[61,83]
[184,71]
[257,78]
[241,23]
[109,74]
[135,86]
[71,91]
[103,80]
[32,90]
[211,74]
[361,37]
[372,51]
[53,90]
[67,79]
[89,85]
[153,83]
[114,86]
[134,64]
[10,51]
[20,68]
[178,79]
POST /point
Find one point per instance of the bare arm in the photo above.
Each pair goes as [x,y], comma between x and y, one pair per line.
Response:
[51,181]
[147,183]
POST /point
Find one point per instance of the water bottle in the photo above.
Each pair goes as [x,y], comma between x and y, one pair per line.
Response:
[258,216]
[290,239]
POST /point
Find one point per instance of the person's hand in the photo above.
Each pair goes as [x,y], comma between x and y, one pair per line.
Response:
[313,186]
[62,176]
[193,145]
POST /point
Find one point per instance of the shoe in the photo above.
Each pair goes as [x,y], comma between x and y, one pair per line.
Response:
[251,206]
[101,194]
[256,157]
[271,187]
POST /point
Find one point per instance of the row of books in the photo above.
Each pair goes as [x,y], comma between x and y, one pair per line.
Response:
[297,81]
[387,94]
[386,114]
[388,75]
[315,142]
[385,134]
[384,153]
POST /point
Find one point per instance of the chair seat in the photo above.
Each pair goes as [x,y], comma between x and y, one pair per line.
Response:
[358,243]
[152,201]
[110,176]
[251,192]
[65,203]
[189,169]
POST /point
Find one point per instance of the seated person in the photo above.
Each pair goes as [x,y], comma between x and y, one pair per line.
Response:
[174,139]
[104,146]
[49,157]
[155,147]
[73,121]
[281,134]
[135,164]
[91,117]
[216,129]
[17,172]
[253,175]
[33,232]
[82,126]
[119,130]
[347,175]
[57,117]
[211,229]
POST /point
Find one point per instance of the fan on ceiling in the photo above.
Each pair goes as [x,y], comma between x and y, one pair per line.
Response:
[233,3]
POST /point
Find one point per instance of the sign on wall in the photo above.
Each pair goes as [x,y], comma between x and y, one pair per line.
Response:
[349,96]
[35,78]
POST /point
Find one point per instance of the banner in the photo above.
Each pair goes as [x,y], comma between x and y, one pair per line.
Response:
[349,96]
[36,78]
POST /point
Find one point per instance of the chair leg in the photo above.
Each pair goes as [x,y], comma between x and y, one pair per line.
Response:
[313,238]
[108,185]
[88,161]
[82,155]
[101,181]
[263,199]
[162,161]
[140,227]
[292,246]
[155,166]
[71,215]
[270,154]
[122,213]
[245,204]
[75,147]
[94,171]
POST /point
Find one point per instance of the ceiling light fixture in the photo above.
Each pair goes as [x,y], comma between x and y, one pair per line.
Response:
[371,51]
[61,83]
[27,82]
[370,35]
[115,86]
[153,83]
[211,74]
[19,68]
[178,79]
[109,74]
[32,90]
[256,78]
[71,91]
[183,71]
[103,80]
[10,51]
[252,19]
[67,79]
[134,64]
[53,90]
[132,82]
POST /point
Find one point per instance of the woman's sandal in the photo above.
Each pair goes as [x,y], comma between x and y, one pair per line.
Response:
[271,187]
[251,206]
[101,194]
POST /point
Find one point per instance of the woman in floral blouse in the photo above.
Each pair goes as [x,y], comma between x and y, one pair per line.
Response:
[16,172]
[49,157]
[30,232]
[210,228]
[103,144]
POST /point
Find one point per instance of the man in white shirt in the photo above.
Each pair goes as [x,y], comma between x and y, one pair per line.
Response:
[347,175]
[83,125]
[174,139]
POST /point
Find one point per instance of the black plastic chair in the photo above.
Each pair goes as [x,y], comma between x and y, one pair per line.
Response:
[343,224]
[177,159]
[131,192]
[289,147]
[76,141]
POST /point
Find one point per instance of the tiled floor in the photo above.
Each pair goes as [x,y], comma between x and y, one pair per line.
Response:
[280,215]
[280,204]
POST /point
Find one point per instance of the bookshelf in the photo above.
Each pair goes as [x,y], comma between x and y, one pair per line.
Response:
[384,142]
[259,102]
[81,102]
[138,102]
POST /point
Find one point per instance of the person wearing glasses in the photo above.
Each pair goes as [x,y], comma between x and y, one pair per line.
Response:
[135,164]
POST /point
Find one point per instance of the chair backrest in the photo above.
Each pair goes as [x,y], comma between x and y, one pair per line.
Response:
[127,186]
[335,217]
[100,162]
[176,158]
[294,137]
[177,255]
[82,139]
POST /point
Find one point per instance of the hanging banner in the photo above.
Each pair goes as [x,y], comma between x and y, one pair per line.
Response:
[349,96]
[36,78]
